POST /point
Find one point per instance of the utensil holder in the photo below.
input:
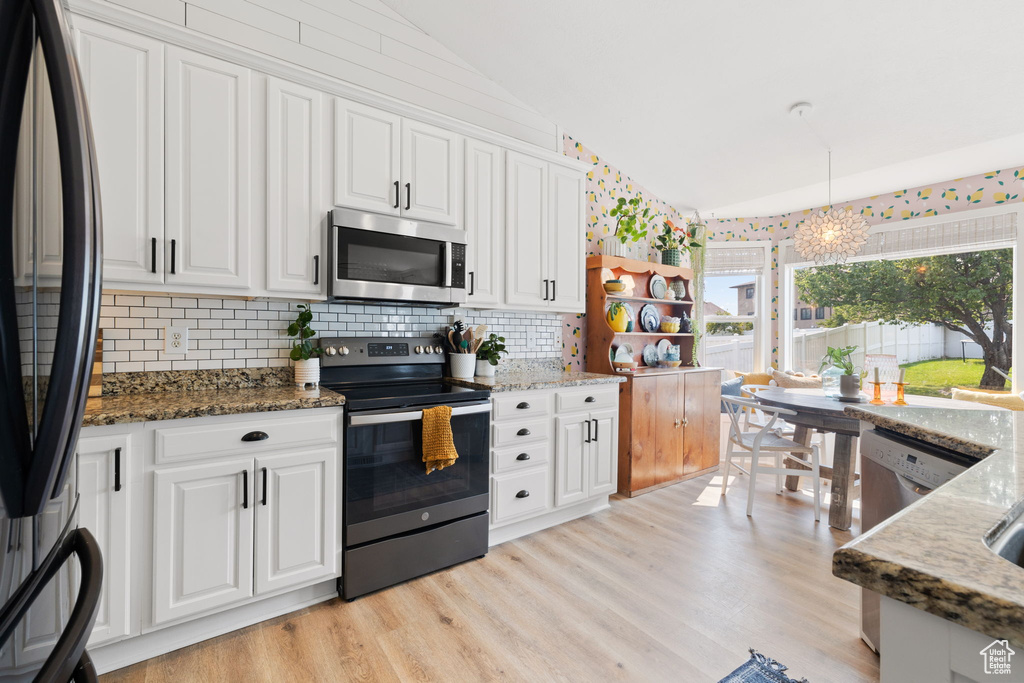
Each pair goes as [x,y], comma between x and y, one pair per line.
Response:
[463,365]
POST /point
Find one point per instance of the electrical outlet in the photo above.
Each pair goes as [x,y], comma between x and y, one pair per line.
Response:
[176,340]
[531,337]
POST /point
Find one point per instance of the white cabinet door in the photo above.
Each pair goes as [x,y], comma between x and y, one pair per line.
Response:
[208,228]
[104,470]
[604,453]
[571,453]
[294,204]
[123,74]
[296,540]
[566,263]
[526,232]
[367,160]
[484,221]
[202,537]
[430,172]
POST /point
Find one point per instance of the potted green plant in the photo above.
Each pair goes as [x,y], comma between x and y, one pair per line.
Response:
[839,373]
[631,221]
[305,355]
[671,241]
[488,354]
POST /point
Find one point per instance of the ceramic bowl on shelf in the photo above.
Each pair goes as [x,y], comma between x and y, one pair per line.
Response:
[618,365]
[614,286]
[669,363]
[669,324]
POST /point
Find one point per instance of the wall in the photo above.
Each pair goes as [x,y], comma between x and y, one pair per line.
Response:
[987,189]
[238,333]
[364,43]
[605,184]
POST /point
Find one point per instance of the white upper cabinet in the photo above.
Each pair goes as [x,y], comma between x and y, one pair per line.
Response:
[123,74]
[367,157]
[526,231]
[484,219]
[208,230]
[388,164]
[295,207]
[567,264]
[430,172]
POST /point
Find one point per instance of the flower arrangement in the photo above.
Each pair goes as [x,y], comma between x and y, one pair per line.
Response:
[673,238]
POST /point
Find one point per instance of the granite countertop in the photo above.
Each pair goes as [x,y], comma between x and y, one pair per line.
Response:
[152,396]
[536,379]
[933,555]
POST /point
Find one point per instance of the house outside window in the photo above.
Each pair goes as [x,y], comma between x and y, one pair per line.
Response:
[805,314]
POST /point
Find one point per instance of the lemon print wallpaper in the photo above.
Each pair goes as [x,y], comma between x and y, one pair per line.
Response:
[983,190]
[605,184]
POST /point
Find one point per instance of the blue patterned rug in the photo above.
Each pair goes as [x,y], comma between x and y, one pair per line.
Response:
[760,669]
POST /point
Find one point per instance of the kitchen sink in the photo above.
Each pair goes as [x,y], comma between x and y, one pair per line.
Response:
[1010,543]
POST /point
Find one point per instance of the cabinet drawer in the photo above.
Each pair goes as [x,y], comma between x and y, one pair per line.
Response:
[520,431]
[205,439]
[521,457]
[595,399]
[507,495]
[522,405]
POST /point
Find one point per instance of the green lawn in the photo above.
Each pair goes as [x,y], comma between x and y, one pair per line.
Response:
[935,377]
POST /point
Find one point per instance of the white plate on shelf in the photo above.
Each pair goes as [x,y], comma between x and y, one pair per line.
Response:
[663,348]
[651,356]
[623,354]
[657,287]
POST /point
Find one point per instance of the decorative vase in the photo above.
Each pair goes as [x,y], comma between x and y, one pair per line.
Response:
[307,372]
[463,365]
[679,287]
[830,381]
[670,257]
[613,247]
[484,368]
[849,386]
[620,317]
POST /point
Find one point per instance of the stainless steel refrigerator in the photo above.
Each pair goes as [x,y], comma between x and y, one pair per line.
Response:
[50,570]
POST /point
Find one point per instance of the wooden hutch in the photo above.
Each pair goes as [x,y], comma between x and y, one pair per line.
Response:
[668,417]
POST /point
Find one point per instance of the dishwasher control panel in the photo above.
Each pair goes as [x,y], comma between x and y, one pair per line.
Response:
[916,464]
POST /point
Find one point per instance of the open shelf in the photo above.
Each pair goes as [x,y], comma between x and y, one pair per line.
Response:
[652,334]
[648,300]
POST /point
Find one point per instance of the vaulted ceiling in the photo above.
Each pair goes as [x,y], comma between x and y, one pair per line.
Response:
[692,98]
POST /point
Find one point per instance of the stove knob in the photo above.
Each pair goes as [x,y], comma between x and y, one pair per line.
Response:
[343,350]
[330,350]
[437,349]
[419,349]
[428,349]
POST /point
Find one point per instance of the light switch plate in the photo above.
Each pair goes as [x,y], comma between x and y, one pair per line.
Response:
[531,338]
[176,340]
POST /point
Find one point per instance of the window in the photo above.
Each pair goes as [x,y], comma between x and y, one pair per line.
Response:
[819,313]
[750,292]
[735,304]
[805,314]
[796,314]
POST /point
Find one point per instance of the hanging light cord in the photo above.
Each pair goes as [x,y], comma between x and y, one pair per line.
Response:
[827,147]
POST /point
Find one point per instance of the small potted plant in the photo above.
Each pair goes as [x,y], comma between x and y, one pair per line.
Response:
[488,354]
[631,223]
[671,241]
[305,355]
[837,370]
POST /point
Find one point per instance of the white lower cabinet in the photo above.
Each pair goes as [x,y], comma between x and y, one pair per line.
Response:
[554,456]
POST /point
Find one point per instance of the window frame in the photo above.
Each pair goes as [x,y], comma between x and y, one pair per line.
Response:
[819,313]
[805,313]
[761,318]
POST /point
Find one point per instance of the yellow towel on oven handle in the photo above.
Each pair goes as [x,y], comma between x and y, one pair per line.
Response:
[438,443]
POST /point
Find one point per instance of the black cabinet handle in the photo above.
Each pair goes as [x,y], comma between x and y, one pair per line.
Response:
[589,431]
[264,499]
[174,247]
[546,287]
[589,399]
[408,196]
[117,468]
[256,436]
[472,283]
[316,269]
[596,423]
[554,288]
[523,456]
[523,494]
[523,432]
[152,255]
[245,489]
[398,194]
[523,406]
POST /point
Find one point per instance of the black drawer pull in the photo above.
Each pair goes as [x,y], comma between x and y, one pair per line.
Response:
[523,456]
[117,468]
[408,196]
[523,494]
[523,406]
[152,254]
[316,269]
[547,286]
[596,423]
[523,432]
[589,399]
[245,489]
[256,436]
[174,248]
[398,194]
[264,500]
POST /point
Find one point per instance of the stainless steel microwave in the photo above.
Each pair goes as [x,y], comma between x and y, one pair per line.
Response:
[375,257]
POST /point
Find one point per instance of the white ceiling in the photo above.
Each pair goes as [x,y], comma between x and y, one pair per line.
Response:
[691,99]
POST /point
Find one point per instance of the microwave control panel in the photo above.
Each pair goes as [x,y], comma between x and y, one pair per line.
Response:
[459,266]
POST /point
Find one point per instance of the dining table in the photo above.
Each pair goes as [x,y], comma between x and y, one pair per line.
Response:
[817,412]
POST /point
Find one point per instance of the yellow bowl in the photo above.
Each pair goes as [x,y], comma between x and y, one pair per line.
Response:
[670,327]
[614,286]
[670,363]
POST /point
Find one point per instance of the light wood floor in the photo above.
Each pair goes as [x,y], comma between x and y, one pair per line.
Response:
[672,586]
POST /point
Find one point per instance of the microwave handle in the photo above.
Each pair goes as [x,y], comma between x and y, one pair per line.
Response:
[384,418]
[446,273]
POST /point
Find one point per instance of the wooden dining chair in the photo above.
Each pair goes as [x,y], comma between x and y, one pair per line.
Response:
[762,444]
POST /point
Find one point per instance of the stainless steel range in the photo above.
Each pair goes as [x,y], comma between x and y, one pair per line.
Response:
[399,522]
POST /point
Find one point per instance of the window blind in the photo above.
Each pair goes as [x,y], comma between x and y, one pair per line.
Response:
[734,261]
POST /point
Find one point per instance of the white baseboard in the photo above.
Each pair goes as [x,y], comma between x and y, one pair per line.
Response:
[514,530]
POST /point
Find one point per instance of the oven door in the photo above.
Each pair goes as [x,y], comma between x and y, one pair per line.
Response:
[387,488]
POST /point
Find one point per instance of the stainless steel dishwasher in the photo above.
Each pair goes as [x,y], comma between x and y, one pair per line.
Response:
[896,471]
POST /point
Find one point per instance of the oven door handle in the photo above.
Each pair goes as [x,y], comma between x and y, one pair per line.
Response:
[411,416]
